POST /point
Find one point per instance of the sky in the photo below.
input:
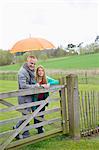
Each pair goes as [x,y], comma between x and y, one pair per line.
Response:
[59,21]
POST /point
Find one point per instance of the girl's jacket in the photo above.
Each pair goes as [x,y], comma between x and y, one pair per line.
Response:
[35,98]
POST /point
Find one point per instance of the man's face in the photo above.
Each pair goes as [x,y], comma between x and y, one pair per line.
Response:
[31,63]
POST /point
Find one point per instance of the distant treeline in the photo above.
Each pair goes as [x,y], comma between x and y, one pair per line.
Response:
[6,58]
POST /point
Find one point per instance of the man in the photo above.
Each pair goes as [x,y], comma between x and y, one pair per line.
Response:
[26,79]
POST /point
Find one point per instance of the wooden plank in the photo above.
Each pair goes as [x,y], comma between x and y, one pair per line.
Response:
[47,122]
[40,119]
[26,105]
[30,91]
[10,105]
[73,106]
[86,110]
[34,139]
[97,109]
[4,145]
[63,107]
[5,103]
[94,121]
[92,109]
[22,106]
[95,105]
[83,109]
[81,112]
[89,105]
[26,116]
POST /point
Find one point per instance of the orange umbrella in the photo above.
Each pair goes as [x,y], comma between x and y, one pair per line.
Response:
[31,44]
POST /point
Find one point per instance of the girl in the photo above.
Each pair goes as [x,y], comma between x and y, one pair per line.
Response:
[45,82]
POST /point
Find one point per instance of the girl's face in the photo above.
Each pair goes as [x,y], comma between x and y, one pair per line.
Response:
[40,72]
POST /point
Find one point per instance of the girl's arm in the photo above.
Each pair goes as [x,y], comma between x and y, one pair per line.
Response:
[52,81]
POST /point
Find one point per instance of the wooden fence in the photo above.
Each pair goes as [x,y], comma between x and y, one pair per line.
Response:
[65,114]
[89,112]
[84,76]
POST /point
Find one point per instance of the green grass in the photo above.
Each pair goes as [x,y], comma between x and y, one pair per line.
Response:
[64,143]
[60,142]
[89,87]
[14,67]
[71,62]
[6,85]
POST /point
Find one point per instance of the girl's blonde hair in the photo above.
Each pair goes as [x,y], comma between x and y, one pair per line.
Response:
[44,80]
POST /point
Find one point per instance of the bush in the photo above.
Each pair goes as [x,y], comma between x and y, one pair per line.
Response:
[43,56]
[8,75]
[59,52]
[35,53]
[6,58]
[19,59]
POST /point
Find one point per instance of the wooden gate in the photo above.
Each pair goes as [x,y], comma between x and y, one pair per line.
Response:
[58,121]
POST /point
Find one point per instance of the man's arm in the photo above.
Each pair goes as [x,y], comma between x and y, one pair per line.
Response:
[22,79]
[23,84]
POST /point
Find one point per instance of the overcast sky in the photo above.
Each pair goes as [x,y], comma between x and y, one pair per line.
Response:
[59,21]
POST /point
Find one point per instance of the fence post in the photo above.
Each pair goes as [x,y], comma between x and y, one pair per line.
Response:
[63,106]
[86,78]
[73,106]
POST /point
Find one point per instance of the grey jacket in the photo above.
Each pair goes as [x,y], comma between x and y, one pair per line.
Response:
[25,80]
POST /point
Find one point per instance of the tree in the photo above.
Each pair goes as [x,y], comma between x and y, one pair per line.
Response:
[97,38]
[89,49]
[6,57]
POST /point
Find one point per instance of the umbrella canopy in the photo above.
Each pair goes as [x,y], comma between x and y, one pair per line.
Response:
[31,44]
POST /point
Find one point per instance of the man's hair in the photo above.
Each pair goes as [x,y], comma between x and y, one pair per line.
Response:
[31,57]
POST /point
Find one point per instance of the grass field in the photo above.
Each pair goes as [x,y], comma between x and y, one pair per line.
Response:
[60,142]
[64,143]
[70,62]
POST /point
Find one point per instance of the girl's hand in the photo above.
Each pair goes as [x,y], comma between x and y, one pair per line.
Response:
[37,85]
[46,86]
